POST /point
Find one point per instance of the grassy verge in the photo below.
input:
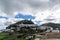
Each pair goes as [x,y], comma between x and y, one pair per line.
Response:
[2,35]
[6,36]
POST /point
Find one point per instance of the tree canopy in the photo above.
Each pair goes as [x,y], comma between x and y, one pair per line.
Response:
[25,22]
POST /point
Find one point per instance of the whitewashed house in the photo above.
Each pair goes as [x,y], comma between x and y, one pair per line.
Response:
[52,30]
[56,30]
[45,27]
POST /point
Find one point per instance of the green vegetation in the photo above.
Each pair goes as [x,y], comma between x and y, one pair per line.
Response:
[22,38]
[33,37]
[25,22]
[2,35]
[54,25]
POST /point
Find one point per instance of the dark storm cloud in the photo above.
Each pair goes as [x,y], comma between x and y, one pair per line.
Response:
[11,6]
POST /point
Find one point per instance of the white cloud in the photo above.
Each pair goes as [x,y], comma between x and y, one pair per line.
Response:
[41,15]
[51,14]
[2,21]
[3,14]
[41,9]
[17,19]
[44,0]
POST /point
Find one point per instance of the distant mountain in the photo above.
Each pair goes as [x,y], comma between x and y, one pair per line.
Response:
[54,25]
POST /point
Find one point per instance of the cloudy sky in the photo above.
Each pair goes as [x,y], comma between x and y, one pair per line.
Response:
[40,11]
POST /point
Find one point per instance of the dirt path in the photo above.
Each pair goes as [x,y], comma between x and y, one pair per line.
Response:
[46,39]
[52,39]
[37,39]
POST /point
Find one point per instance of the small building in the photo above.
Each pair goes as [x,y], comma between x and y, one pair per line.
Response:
[7,30]
[56,30]
[48,29]
[45,27]
[53,30]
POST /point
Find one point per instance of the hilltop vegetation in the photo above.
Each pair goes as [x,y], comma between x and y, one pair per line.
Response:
[54,25]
